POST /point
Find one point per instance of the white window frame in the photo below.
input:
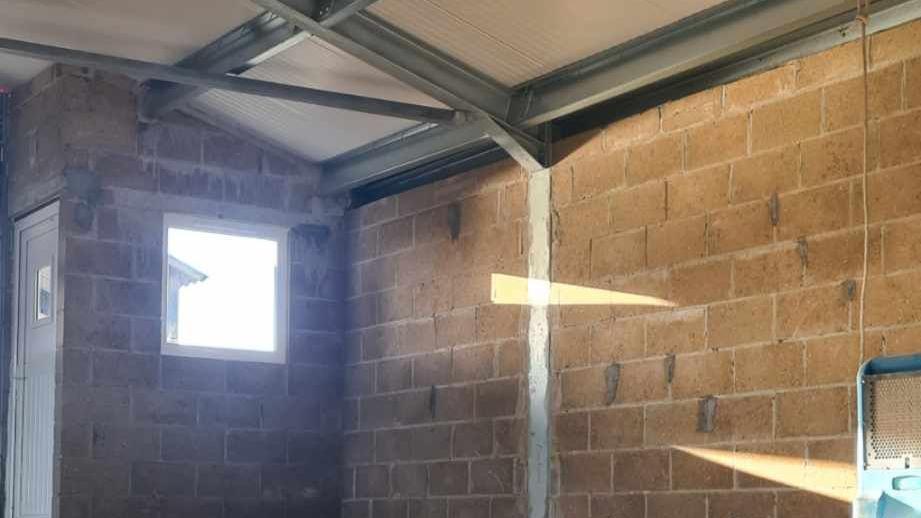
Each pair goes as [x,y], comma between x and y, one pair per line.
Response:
[233,228]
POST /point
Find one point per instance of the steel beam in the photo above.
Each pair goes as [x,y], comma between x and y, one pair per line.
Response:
[331,12]
[396,155]
[714,47]
[187,76]
[402,56]
[424,68]
[447,167]
[711,36]
[242,48]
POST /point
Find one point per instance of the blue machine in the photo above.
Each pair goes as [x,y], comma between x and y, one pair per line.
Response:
[889,438]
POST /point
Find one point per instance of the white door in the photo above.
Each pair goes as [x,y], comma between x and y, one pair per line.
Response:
[31,425]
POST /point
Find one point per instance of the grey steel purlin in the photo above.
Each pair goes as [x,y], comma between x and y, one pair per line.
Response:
[406,58]
[135,68]
[742,34]
[240,49]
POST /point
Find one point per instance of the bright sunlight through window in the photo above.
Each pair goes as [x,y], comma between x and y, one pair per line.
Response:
[224,289]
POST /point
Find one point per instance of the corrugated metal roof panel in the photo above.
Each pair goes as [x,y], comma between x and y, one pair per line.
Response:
[164,31]
[314,132]
[515,41]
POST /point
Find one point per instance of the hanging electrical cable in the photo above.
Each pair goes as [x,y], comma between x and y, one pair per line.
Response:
[863,18]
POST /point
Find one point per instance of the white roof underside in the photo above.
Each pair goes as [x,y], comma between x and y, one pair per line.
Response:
[512,41]
[163,31]
[314,132]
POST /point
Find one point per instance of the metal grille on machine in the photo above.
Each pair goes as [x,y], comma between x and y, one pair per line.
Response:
[892,421]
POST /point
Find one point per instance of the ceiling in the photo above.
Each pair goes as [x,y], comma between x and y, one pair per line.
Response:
[149,31]
[512,41]
[314,132]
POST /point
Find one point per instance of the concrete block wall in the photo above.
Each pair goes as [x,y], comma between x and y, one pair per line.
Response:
[435,393]
[743,205]
[139,433]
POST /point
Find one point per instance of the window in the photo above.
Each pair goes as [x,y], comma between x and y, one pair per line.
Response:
[224,289]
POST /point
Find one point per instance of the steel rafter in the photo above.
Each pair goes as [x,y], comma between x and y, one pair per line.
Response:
[135,68]
[730,40]
[707,37]
[406,58]
[240,49]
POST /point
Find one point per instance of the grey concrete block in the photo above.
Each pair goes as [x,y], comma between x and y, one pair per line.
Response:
[141,507]
[141,299]
[126,369]
[224,151]
[184,181]
[315,507]
[85,404]
[76,440]
[317,315]
[174,141]
[256,446]
[362,508]
[258,190]
[409,480]
[79,292]
[262,379]
[228,411]
[89,256]
[228,480]
[147,263]
[199,374]
[315,382]
[125,443]
[129,171]
[319,448]
[191,508]
[98,479]
[90,329]
[75,366]
[137,227]
[298,414]
[317,349]
[254,509]
[298,482]
[74,507]
[193,444]
[162,479]
[145,335]
[164,407]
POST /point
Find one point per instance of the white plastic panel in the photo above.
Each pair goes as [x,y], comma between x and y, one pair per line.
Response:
[31,446]
[314,132]
[514,41]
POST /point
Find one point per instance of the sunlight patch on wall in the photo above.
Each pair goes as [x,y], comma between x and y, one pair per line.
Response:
[832,479]
[509,290]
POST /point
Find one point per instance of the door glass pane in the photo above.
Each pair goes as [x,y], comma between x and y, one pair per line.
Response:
[43,293]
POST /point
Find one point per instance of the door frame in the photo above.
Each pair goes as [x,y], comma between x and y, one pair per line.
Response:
[51,211]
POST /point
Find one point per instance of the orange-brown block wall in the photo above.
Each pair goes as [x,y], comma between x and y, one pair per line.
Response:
[741,204]
[435,388]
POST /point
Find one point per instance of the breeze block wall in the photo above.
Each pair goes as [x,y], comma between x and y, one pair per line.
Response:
[742,204]
[140,433]
[435,391]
